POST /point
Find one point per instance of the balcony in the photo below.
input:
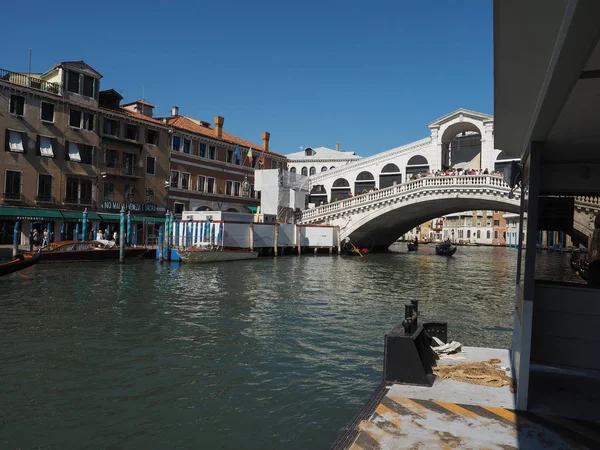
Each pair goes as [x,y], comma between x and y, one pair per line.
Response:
[22,79]
[131,171]
[44,199]
[79,201]
[12,197]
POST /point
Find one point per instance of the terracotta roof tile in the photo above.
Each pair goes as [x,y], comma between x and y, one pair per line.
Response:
[184,123]
[133,115]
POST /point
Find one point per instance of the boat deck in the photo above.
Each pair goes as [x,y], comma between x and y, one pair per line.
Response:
[452,414]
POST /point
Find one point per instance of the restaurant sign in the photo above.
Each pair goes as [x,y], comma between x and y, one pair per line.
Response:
[137,207]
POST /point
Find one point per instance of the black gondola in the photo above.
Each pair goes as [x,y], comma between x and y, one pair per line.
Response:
[19,264]
[576,258]
[412,246]
[445,249]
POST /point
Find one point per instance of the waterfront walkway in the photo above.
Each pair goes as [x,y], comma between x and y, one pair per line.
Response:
[452,414]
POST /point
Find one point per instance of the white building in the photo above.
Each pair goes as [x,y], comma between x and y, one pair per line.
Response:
[314,160]
[512,229]
[470,227]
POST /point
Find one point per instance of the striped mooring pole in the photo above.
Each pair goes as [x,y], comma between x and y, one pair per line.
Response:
[84,225]
[160,243]
[76,234]
[16,233]
[122,235]
[128,228]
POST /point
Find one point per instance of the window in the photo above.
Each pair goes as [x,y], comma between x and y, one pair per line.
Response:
[468,234]
[131,132]
[237,188]
[75,118]
[201,181]
[210,185]
[293,170]
[111,127]
[87,154]
[178,208]
[478,234]
[47,112]
[252,192]
[313,171]
[187,146]
[150,165]
[111,159]
[109,192]
[488,234]
[85,192]
[15,141]
[324,169]
[176,144]
[88,86]
[17,104]
[72,192]
[496,234]
[46,146]
[496,222]
[304,171]
[202,150]
[12,187]
[488,222]
[44,193]
[73,152]
[73,82]
[150,197]
[175,179]
[151,137]
[332,167]
[229,187]
[230,156]
[185,180]
[212,152]
[129,193]
[88,121]
[478,222]
[130,164]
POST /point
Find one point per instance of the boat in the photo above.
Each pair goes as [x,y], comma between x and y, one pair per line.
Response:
[200,255]
[350,249]
[20,263]
[445,249]
[412,246]
[95,250]
[577,258]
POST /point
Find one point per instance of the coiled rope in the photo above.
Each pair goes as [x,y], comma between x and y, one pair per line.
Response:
[484,373]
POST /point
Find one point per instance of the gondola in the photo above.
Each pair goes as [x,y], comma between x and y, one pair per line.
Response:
[20,263]
[445,250]
[577,257]
[412,246]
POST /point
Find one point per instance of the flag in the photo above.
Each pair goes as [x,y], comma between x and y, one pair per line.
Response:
[261,161]
[237,154]
[249,155]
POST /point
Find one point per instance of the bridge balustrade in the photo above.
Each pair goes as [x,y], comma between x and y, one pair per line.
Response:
[407,187]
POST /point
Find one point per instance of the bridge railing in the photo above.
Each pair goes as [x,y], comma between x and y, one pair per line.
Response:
[590,202]
[413,185]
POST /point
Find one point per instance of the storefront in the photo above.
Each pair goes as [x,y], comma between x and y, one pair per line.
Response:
[29,219]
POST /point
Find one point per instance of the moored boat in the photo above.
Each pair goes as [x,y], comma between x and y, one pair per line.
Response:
[445,249]
[199,255]
[96,250]
[20,263]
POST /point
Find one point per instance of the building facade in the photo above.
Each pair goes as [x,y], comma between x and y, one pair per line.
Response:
[314,160]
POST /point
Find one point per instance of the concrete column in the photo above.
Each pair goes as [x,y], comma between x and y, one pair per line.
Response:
[544,239]
[275,239]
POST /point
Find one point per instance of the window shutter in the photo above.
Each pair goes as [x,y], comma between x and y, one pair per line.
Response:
[25,139]
[38,145]
[67,150]
[6,140]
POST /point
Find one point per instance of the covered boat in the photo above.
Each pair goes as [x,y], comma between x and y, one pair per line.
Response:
[94,250]
[200,255]
[20,263]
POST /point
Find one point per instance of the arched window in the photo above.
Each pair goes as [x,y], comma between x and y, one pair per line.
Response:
[489,234]
[293,170]
[340,189]
[332,167]
[468,234]
[390,175]
[365,181]
[478,234]
[417,160]
[416,164]
[341,183]
[309,151]
[324,169]
[304,171]
[390,168]
[313,171]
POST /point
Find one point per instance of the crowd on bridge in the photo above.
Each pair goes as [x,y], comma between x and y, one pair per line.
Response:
[453,173]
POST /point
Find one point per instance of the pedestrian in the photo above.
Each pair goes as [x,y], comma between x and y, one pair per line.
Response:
[116,237]
[36,237]
[100,235]
[45,241]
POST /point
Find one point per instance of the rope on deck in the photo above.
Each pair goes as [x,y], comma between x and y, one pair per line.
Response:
[484,373]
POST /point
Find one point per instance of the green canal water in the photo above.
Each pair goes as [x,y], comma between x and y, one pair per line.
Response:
[273,353]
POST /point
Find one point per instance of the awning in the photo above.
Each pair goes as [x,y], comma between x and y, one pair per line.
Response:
[110,217]
[29,213]
[146,219]
[92,216]
[252,208]
[72,216]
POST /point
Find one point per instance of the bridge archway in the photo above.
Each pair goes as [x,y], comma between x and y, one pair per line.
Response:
[318,195]
[365,181]
[389,176]
[417,164]
[461,146]
[340,189]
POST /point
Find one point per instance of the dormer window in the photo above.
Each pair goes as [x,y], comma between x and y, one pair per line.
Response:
[309,151]
[80,84]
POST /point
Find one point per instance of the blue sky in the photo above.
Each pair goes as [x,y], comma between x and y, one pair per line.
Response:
[369,75]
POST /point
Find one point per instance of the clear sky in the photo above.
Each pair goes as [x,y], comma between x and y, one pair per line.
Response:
[367,74]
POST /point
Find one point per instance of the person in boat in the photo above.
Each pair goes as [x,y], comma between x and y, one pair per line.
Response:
[116,237]
[416,241]
[100,235]
[36,237]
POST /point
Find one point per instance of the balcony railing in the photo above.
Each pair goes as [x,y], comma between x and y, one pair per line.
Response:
[79,201]
[131,171]
[12,197]
[44,199]
[28,81]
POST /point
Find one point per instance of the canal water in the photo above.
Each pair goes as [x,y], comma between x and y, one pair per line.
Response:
[273,353]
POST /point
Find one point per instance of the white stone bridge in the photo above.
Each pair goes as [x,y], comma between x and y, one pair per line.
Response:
[380,217]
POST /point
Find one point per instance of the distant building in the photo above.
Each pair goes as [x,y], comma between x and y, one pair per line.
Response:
[314,160]
[470,227]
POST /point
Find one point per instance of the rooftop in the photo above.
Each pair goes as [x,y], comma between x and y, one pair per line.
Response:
[323,153]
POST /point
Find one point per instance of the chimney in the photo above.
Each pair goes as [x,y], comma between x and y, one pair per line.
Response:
[265,137]
[337,146]
[175,111]
[219,126]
